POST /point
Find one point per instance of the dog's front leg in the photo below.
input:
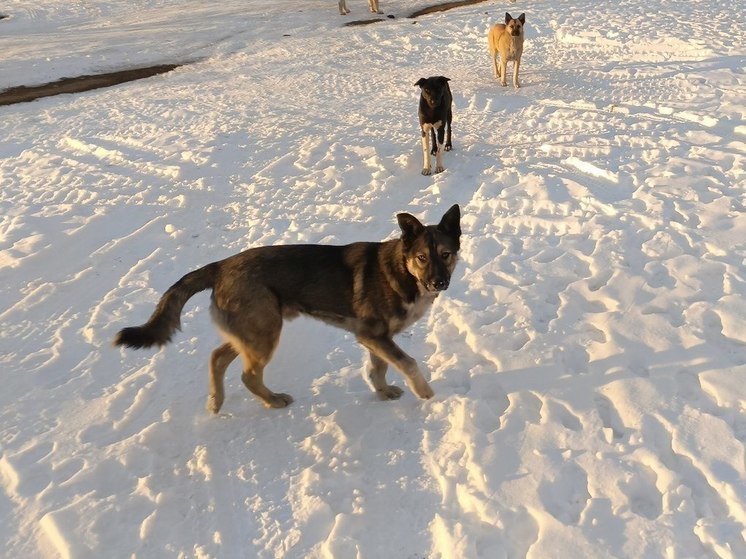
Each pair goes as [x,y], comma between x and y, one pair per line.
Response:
[377,376]
[343,11]
[425,130]
[503,70]
[516,65]
[373,4]
[388,351]
[439,168]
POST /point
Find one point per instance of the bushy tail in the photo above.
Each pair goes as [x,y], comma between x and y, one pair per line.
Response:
[166,318]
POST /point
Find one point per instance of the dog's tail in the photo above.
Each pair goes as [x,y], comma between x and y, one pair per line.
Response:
[166,318]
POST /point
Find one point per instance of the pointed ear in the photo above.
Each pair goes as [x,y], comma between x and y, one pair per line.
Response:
[522,18]
[420,82]
[410,226]
[444,79]
[450,223]
[508,17]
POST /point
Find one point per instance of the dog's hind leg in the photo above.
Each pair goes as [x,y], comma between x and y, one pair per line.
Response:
[253,379]
[255,356]
[387,350]
[377,376]
[252,326]
[221,358]
[343,11]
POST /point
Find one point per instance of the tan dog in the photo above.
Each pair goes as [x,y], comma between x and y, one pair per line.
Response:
[372,4]
[507,41]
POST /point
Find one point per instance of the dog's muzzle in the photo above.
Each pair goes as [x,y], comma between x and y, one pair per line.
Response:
[437,286]
[515,32]
[433,102]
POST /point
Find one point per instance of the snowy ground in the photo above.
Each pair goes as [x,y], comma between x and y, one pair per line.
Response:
[589,359]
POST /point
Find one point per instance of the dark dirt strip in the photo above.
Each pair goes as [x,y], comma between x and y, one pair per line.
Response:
[445,6]
[24,94]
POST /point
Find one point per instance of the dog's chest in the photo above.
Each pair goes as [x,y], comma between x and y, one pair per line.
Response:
[427,126]
[412,313]
[513,48]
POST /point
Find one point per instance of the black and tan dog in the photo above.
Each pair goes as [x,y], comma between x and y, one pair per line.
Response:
[507,41]
[435,114]
[372,289]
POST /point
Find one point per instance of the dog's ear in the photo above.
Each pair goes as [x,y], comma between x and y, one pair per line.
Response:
[421,82]
[410,226]
[508,17]
[450,223]
[522,18]
[444,79]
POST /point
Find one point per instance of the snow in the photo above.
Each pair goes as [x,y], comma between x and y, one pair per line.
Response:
[588,360]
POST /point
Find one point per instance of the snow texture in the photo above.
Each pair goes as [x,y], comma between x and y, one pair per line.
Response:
[589,358]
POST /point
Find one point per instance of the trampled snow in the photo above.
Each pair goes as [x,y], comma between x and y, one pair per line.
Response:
[588,360]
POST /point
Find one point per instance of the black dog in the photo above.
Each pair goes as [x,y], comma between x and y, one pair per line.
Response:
[435,114]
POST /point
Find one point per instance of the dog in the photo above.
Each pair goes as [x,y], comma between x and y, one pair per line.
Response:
[507,41]
[435,114]
[372,289]
[372,4]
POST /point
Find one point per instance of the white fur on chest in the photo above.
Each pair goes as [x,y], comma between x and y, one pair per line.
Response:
[414,312]
[515,48]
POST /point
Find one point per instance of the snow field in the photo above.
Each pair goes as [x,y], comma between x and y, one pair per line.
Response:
[588,359]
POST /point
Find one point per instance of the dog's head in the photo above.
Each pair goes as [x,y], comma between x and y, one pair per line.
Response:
[514,26]
[431,251]
[434,89]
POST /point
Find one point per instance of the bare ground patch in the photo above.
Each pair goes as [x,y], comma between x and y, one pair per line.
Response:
[24,94]
[445,6]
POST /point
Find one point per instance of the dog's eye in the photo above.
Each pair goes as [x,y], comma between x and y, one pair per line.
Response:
[422,258]
[445,255]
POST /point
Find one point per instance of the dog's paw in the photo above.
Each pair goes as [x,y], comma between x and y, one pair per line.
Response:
[426,171]
[279,400]
[439,169]
[214,404]
[425,392]
[391,392]
[448,147]
[504,83]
